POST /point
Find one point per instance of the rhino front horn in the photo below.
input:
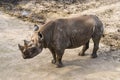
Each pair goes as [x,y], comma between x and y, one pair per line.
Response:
[20,47]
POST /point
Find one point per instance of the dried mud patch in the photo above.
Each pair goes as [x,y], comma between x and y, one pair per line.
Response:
[112,40]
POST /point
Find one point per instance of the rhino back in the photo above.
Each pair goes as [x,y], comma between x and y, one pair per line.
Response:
[72,33]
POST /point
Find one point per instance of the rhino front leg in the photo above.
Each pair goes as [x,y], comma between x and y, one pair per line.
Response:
[54,56]
[59,59]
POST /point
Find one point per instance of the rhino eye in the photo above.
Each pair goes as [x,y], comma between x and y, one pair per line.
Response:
[30,45]
[32,40]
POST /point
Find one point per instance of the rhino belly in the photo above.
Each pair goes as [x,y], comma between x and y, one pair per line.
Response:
[77,40]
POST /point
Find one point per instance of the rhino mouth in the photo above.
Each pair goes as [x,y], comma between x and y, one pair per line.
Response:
[27,57]
[32,53]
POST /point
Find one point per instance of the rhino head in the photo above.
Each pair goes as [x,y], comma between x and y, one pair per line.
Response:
[33,47]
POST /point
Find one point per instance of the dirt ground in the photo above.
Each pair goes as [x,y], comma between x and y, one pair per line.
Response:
[105,67]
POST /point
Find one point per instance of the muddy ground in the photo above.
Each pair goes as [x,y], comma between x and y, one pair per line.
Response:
[105,67]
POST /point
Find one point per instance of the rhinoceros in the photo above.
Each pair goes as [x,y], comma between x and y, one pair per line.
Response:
[65,33]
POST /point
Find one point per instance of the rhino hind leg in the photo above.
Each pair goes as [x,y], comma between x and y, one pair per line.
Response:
[85,47]
[96,40]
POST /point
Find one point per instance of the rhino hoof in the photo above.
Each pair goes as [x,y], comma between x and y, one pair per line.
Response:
[53,61]
[80,54]
[94,56]
[59,65]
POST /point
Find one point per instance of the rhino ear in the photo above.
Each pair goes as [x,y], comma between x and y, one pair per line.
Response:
[20,47]
[36,27]
[40,35]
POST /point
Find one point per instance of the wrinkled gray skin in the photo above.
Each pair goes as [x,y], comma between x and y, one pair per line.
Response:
[62,34]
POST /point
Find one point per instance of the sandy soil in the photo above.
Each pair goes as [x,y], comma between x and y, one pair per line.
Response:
[14,67]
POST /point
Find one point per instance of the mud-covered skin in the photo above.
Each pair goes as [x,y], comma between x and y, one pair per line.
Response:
[62,34]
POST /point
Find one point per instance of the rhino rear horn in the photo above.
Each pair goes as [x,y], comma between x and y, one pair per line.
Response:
[26,42]
[36,27]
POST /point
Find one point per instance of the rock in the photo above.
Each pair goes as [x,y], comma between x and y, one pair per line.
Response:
[25,13]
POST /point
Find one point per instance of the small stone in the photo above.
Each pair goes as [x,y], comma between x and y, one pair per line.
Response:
[25,13]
